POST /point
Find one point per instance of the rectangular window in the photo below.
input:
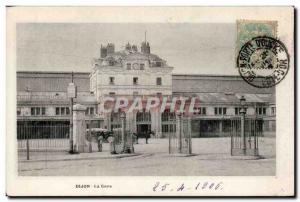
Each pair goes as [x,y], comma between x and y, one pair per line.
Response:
[111,80]
[260,111]
[57,111]
[18,111]
[62,111]
[273,110]
[236,110]
[264,111]
[67,110]
[204,111]
[220,110]
[32,112]
[37,111]
[142,66]
[158,64]
[135,80]
[158,81]
[112,94]
[92,110]
[128,66]
[43,110]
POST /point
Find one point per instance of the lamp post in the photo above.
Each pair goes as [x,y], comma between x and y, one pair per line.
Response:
[243,113]
[90,127]
[122,116]
[71,93]
[90,133]
[179,114]
[28,90]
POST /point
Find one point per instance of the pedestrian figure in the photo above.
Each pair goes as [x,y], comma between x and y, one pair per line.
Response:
[100,141]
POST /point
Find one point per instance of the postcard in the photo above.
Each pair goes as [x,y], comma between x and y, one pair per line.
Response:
[150,101]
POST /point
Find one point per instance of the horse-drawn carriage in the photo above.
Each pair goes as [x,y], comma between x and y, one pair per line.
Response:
[99,135]
[143,134]
[115,139]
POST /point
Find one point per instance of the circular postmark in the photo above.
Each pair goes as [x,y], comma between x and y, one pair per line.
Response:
[263,62]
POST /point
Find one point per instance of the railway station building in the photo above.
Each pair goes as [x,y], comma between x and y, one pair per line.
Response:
[136,72]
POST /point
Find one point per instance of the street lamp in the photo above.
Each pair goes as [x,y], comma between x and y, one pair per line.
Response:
[243,103]
[179,115]
[90,127]
[243,113]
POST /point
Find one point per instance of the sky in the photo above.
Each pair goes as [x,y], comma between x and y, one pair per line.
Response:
[191,48]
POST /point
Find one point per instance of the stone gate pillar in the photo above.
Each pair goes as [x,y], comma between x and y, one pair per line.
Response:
[156,122]
[79,129]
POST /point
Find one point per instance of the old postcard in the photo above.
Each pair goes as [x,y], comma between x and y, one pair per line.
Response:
[150,101]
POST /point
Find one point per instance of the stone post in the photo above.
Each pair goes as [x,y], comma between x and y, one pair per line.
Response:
[79,129]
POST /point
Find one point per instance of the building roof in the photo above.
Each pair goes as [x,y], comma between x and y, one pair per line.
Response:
[124,55]
[51,81]
[209,88]
[214,84]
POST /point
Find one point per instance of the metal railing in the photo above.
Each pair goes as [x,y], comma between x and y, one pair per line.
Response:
[43,137]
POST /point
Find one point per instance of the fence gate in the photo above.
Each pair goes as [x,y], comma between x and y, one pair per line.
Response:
[119,145]
[245,143]
[181,140]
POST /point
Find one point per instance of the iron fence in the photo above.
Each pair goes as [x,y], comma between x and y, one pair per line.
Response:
[43,137]
[181,140]
[245,143]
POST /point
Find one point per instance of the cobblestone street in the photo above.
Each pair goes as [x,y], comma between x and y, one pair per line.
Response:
[212,157]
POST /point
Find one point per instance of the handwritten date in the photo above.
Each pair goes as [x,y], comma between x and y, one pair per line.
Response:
[158,186]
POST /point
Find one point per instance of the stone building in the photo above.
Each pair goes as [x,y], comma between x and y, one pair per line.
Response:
[42,96]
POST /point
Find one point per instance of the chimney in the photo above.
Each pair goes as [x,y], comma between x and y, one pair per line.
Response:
[134,48]
[110,48]
[128,47]
[103,51]
[145,48]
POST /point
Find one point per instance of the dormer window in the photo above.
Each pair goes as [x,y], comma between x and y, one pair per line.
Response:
[128,66]
[158,64]
[135,80]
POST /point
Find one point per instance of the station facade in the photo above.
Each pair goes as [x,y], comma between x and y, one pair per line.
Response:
[136,72]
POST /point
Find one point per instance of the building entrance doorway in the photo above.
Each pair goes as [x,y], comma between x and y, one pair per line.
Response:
[143,125]
[143,128]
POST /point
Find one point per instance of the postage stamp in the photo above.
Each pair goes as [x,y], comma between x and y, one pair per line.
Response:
[263,62]
[248,29]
